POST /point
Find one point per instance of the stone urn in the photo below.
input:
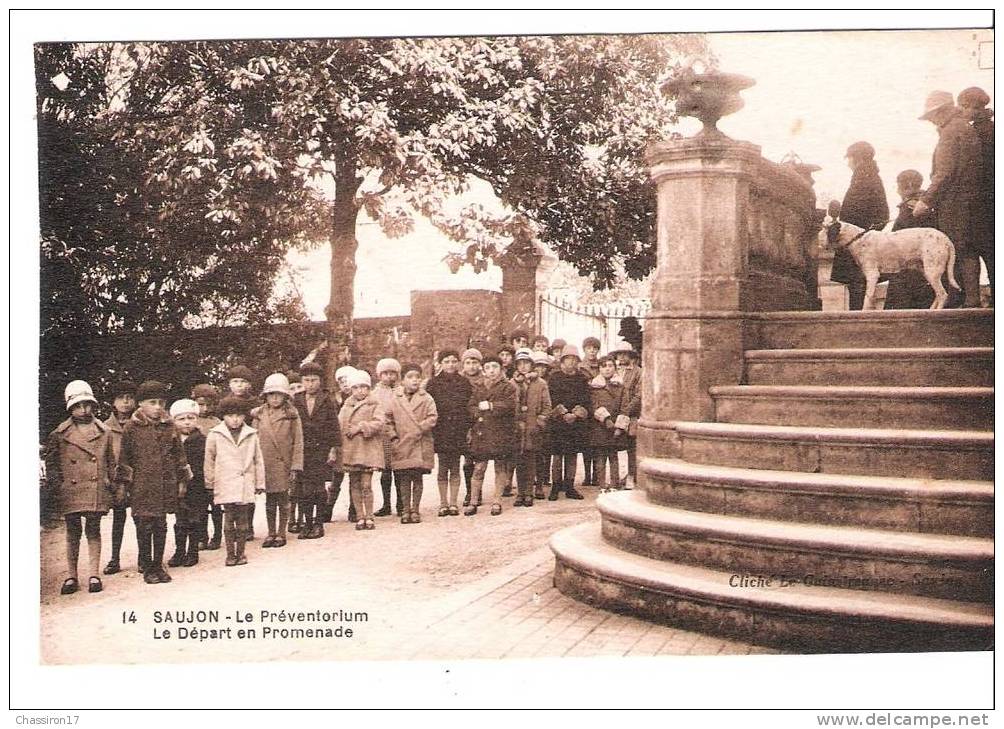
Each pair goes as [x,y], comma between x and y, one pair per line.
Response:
[707,96]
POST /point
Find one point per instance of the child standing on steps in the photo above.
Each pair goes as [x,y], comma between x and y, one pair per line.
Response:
[410,418]
[235,473]
[280,434]
[79,461]
[362,425]
[189,518]
[153,468]
[123,405]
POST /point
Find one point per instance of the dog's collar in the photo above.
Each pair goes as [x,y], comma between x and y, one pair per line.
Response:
[858,237]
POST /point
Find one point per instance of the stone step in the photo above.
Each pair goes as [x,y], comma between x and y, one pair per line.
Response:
[950,408]
[905,504]
[929,565]
[916,366]
[866,451]
[795,618]
[907,328]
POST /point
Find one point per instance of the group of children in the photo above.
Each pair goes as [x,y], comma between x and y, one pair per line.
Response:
[530,411]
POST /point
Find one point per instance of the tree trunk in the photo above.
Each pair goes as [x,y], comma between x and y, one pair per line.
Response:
[343,268]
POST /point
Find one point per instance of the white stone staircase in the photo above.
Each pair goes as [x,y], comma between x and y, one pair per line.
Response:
[843,500]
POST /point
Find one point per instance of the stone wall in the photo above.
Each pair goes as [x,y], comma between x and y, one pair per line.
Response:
[457,319]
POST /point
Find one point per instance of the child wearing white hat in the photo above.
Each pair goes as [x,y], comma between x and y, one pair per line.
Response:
[388,372]
[280,432]
[79,463]
[362,423]
[192,508]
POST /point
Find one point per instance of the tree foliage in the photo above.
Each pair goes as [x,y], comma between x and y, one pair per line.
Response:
[176,175]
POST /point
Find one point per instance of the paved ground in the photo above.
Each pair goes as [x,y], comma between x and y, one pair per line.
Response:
[449,588]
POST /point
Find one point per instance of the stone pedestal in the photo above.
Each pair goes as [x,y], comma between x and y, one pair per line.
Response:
[734,237]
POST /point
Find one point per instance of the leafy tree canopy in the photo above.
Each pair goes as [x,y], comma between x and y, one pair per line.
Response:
[175,176]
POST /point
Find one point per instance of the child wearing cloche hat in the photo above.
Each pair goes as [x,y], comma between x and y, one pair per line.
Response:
[79,461]
[280,434]
[192,507]
[362,424]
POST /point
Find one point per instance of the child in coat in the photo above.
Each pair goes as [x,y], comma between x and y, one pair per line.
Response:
[322,441]
[280,434]
[451,392]
[235,473]
[630,373]
[492,407]
[542,367]
[410,418]
[342,393]
[534,410]
[607,429]
[470,361]
[388,372]
[192,508]
[207,396]
[239,381]
[362,425]
[123,405]
[79,462]
[569,421]
[153,467]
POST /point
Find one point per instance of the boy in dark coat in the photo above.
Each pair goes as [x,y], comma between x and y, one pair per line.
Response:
[470,361]
[321,443]
[590,367]
[153,468]
[569,417]
[909,289]
[207,397]
[451,392]
[123,405]
[492,407]
[534,411]
[630,373]
[865,206]
[193,507]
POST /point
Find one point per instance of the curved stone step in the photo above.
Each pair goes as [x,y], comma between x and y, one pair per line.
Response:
[940,566]
[904,504]
[952,408]
[906,367]
[831,329]
[795,618]
[867,451]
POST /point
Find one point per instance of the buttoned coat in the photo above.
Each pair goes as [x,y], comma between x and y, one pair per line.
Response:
[955,178]
[320,434]
[493,432]
[152,464]
[234,469]
[362,424]
[115,430]
[411,421]
[610,397]
[452,394]
[79,464]
[569,391]
[196,496]
[534,411]
[280,435]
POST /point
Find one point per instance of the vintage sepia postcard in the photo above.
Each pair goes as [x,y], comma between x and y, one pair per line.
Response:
[474,343]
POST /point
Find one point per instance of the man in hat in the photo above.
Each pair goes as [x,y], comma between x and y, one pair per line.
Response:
[973,105]
[954,182]
[865,206]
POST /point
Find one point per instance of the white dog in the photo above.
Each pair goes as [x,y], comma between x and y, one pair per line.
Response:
[924,249]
